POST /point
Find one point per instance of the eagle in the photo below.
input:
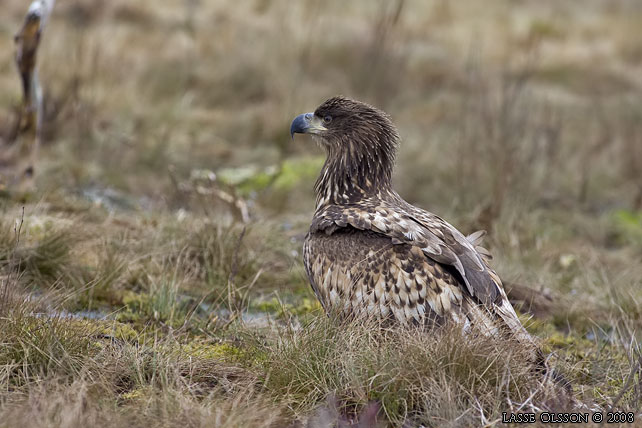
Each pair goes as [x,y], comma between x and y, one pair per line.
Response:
[369,252]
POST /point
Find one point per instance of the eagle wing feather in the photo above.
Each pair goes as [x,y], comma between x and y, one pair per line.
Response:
[407,224]
[469,291]
[364,273]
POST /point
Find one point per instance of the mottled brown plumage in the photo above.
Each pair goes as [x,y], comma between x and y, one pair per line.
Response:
[370,252]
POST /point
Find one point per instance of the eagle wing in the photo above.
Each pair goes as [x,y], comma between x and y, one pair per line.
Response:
[446,254]
[363,272]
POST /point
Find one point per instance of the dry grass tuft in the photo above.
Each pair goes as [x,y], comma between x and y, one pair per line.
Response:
[417,378]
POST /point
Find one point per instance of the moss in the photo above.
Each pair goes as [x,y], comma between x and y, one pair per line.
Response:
[281,309]
[218,351]
[135,394]
[574,344]
[161,304]
[307,306]
[119,330]
[136,308]
[269,306]
[135,303]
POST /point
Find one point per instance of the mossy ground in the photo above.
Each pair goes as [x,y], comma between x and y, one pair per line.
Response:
[135,291]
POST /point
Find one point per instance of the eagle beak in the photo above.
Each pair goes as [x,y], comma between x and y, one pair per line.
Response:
[306,123]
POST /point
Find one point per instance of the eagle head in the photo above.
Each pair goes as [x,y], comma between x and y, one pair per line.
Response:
[360,140]
[341,120]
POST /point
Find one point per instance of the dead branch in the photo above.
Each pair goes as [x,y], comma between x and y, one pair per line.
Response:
[204,183]
[27,41]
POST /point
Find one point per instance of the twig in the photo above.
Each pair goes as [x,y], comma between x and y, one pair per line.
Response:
[234,268]
[12,267]
[627,384]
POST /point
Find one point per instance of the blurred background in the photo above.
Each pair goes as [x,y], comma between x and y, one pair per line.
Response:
[526,104]
[168,191]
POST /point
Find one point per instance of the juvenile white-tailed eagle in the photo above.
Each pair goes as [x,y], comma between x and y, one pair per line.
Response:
[370,252]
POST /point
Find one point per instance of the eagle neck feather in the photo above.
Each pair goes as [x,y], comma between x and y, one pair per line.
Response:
[356,169]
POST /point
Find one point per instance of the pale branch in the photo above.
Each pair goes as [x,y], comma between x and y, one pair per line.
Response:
[27,40]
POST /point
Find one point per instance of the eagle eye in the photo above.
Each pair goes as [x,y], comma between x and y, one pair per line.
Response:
[327,119]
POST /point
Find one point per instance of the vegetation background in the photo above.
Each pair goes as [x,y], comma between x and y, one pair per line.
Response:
[153,276]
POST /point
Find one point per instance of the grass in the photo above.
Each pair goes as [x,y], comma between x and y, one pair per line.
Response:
[155,275]
[415,377]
